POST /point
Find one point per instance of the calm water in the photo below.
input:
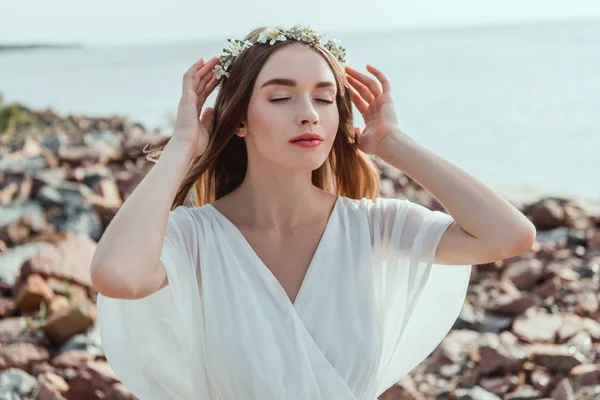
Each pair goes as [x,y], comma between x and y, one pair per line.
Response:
[517,107]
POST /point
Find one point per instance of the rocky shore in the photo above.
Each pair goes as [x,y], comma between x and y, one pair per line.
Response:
[528,330]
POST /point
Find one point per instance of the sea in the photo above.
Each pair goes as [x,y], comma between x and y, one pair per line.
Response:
[515,106]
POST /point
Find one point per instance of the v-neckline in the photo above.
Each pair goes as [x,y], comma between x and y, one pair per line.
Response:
[257,260]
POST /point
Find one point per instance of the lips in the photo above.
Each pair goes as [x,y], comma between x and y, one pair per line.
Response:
[309,136]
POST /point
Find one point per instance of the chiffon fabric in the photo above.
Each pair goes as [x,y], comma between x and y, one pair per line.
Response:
[371,307]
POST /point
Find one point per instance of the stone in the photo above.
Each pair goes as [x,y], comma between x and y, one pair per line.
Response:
[524,273]
[554,357]
[537,328]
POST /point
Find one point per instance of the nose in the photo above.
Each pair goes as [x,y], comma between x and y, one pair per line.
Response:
[307,113]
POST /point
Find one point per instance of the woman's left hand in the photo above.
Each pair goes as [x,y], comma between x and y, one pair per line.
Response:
[376,106]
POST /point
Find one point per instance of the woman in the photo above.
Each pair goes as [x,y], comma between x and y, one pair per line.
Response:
[288,278]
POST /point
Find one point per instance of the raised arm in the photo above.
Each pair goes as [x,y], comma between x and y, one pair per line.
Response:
[127,263]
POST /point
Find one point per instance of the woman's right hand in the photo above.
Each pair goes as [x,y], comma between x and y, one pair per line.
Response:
[198,84]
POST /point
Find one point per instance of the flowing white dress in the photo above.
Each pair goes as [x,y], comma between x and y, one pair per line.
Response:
[371,307]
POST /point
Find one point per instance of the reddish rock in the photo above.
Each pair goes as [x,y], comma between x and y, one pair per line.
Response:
[537,328]
[91,381]
[547,214]
[507,304]
[21,354]
[524,273]
[119,392]
[66,322]
[32,293]
[585,375]
[72,359]
[555,357]
[7,306]
[499,384]
[404,389]
[69,260]
[563,391]
[52,387]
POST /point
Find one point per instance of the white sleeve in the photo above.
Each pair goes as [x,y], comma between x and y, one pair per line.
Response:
[417,301]
[154,344]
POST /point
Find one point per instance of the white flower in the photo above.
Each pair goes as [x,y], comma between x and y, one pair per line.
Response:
[274,34]
[219,71]
[239,46]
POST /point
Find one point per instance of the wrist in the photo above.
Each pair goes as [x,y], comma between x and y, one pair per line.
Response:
[182,148]
[394,148]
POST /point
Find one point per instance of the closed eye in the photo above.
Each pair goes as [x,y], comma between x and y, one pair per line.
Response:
[287,98]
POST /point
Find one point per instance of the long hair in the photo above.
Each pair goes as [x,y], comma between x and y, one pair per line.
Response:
[347,171]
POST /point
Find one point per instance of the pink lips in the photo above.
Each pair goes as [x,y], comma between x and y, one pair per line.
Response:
[308,139]
[308,143]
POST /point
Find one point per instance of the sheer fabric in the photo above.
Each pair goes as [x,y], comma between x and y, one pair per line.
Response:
[371,307]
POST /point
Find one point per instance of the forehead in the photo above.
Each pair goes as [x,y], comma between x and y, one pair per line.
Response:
[298,62]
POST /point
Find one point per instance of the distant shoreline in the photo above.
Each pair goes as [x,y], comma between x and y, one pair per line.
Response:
[17,47]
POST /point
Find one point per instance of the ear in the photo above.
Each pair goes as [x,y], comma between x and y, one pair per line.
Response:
[241,131]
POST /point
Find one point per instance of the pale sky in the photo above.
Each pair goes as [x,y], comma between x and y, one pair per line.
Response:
[146,21]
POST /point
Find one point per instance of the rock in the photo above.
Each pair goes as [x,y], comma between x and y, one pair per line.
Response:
[13,259]
[65,323]
[499,384]
[540,380]
[582,341]
[404,389]
[20,355]
[523,393]
[475,393]
[555,357]
[573,324]
[524,273]
[72,359]
[51,387]
[585,375]
[78,218]
[547,214]
[16,384]
[32,293]
[93,378]
[495,323]
[69,260]
[508,304]
[455,347]
[563,391]
[119,392]
[537,328]
[500,358]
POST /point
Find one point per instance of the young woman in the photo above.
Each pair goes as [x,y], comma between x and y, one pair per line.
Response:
[287,277]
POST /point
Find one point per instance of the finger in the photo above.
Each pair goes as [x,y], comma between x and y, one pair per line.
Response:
[365,80]
[360,88]
[359,102]
[205,71]
[202,96]
[189,74]
[385,82]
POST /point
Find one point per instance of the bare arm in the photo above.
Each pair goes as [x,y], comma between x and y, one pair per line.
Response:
[486,228]
[126,263]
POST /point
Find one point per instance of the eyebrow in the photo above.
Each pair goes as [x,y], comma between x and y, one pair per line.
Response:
[292,83]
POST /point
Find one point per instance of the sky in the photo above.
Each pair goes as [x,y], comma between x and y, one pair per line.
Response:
[114,22]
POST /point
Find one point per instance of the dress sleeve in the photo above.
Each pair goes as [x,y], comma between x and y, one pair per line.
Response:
[154,344]
[417,301]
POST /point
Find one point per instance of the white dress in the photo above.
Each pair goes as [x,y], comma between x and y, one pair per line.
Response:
[371,307]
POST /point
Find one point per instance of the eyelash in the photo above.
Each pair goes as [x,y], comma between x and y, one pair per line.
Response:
[287,98]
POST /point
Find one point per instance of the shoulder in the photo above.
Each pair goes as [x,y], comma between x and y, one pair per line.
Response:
[379,204]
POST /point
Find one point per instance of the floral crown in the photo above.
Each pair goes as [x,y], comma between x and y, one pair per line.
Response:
[298,33]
